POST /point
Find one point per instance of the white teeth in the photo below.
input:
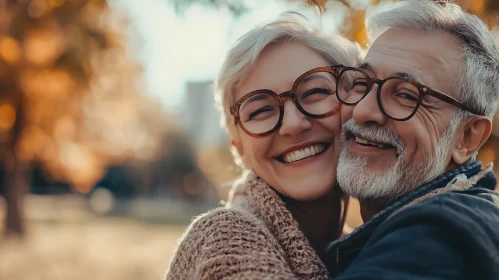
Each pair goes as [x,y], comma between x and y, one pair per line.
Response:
[303,153]
[365,142]
[361,141]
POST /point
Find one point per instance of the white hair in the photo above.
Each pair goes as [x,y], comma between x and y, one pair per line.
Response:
[478,80]
[243,55]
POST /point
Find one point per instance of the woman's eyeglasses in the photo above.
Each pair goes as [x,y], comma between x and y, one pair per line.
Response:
[260,112]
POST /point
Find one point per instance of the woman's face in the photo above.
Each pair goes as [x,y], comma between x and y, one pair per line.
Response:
[276,69]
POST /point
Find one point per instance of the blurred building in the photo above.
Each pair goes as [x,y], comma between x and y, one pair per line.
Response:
[201,121]
[200,118]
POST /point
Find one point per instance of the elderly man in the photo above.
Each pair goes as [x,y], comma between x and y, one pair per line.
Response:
[417,110]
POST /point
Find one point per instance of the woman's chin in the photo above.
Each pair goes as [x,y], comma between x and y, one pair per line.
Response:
[305,193]
[300,185]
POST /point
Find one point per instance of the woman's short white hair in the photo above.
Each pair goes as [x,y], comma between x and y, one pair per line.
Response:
[478,80]
[243,55]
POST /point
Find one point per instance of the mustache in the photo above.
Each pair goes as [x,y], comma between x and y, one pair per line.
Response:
[373,133]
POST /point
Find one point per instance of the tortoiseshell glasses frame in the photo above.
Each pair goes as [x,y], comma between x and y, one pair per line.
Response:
[281,99]
[423,91]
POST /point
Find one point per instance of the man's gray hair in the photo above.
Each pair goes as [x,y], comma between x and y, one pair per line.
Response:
[478,79]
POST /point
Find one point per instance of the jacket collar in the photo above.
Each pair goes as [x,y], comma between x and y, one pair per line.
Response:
[354,242]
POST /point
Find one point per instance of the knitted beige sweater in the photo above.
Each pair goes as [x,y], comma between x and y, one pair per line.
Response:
[253,237]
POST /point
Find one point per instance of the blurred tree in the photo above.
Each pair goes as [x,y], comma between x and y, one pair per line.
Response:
[237,7]
[69,96]
[353,28]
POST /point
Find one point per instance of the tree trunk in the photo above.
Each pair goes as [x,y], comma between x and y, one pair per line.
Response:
[16,186]
[15,169]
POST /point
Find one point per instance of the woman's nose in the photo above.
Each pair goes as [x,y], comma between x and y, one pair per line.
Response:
[293,121]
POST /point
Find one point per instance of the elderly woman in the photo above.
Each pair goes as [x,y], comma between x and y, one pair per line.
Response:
[277,94]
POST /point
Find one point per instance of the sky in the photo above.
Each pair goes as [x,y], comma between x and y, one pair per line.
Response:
[175,49]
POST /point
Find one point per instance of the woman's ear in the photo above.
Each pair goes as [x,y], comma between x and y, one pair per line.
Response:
[240,151]
[475,133]
[238,146]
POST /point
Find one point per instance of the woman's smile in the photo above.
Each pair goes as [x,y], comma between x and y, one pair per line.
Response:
[298,154]
[299,158]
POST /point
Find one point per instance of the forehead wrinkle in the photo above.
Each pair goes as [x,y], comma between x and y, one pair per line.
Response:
[445,66]
[455,53]
[412,65]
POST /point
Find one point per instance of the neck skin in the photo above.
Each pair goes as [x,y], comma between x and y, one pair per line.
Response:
[319,219]
[369,210]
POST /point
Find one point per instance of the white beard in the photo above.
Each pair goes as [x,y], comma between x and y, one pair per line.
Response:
[400,179]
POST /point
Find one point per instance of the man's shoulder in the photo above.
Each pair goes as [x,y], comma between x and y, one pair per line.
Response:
[459,223]
[469,210]
[472,205]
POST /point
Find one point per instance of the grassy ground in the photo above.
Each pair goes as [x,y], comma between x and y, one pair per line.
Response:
[99,248]
[66,241]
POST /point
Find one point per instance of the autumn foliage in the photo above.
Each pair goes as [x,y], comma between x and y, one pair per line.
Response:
[69,95]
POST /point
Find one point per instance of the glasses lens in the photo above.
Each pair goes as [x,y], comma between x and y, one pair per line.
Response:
[399,98]
[316,93]
[259,113]
[352,86]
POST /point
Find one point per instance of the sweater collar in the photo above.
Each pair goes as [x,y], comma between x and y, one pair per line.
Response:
[253,194]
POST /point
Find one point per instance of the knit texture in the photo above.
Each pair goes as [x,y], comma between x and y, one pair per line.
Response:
[253,237]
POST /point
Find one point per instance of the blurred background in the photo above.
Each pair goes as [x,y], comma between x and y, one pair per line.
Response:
[109,141]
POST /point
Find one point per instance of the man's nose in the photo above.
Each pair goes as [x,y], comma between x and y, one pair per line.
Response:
[293,121]
[368,111]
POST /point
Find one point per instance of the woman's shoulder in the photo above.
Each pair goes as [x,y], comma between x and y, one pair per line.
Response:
[224,236]
[231,221]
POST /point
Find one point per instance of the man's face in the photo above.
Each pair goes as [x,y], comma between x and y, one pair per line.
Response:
[382,158]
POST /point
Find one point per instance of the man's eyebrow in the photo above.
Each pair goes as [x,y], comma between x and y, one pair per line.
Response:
[400,74]
[367,66]
[407,76]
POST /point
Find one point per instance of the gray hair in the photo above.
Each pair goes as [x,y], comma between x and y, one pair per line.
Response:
[243,55]
[478,80]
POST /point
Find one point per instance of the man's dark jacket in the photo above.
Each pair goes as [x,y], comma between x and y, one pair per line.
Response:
[451,235]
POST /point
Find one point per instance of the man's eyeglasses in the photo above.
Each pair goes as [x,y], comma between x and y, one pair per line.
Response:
[398,97]
[260,112]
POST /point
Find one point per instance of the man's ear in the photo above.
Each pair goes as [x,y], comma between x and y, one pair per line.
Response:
[473,135]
